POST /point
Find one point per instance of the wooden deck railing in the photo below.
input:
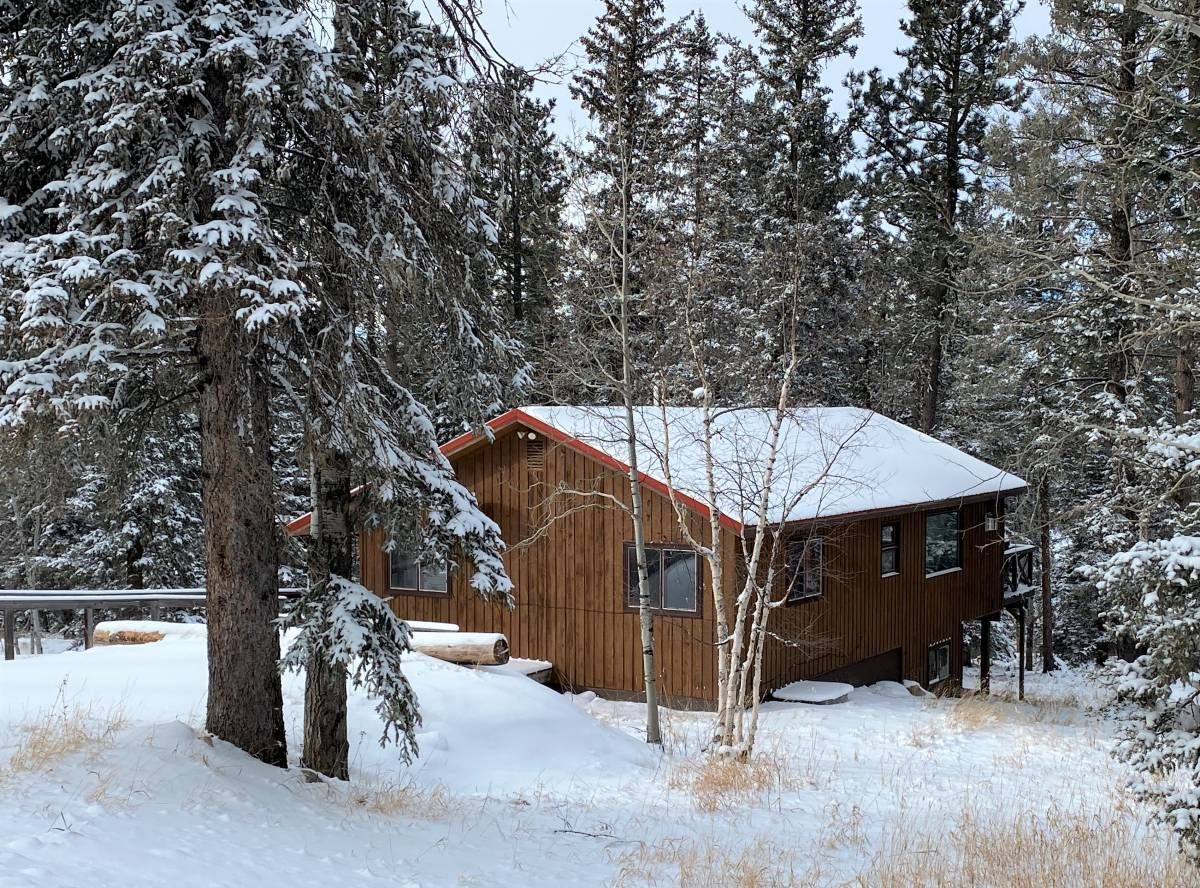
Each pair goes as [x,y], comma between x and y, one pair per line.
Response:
[1018,570]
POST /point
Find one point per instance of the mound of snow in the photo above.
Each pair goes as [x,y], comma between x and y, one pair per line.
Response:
[494,730]
[484,730]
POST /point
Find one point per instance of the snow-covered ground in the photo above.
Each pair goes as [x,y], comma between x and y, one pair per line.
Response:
[517,785]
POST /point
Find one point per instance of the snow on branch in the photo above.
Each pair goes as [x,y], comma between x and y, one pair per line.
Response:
[347,625]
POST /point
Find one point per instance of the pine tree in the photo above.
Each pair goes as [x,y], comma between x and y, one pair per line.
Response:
[801,152]
[519,171]
[138,237]
[387,256]
[924,131]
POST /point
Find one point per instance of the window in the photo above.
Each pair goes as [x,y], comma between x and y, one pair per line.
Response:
[889,549]
[673,575]
[414,575]
[805,569]
[938,665]
[943,542]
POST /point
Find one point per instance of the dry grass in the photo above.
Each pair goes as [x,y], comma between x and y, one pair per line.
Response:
[974,712]
[1061,850]
[705,865]
[404,799]
[55,734]
[719,783]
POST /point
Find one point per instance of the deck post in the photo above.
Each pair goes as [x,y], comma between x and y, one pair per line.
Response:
[10,634]
[1021,653]
[155,612]
[89,626]
[985,656]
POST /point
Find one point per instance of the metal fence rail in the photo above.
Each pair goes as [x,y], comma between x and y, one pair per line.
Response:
[91,600]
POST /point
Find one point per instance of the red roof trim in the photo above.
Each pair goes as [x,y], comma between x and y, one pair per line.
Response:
[299,526]
[556,434]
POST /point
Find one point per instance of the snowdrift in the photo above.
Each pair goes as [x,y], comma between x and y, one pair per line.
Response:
[481,727]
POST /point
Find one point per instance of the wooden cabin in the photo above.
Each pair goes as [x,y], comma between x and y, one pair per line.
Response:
[892,542]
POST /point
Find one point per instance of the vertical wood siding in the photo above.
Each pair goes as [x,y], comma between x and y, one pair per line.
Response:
[569,584]
[862,613]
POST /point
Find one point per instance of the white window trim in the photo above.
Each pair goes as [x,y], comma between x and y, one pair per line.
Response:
[942,573]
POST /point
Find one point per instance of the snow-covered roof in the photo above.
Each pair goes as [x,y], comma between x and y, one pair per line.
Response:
[831,460]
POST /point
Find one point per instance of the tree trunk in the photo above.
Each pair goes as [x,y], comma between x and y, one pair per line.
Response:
[245,698]
[1029,635]
[1043,506]
[326,748]
[330,556]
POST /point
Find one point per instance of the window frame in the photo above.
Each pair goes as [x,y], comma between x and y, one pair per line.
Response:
[958,539]
[804,544]
[930,681]
[629,560]
[893,545]
[420,590]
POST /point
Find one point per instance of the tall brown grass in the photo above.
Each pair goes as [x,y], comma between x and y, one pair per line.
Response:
[51,736]
[1061,850]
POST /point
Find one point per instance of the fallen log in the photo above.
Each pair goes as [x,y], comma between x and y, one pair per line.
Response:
[463,648]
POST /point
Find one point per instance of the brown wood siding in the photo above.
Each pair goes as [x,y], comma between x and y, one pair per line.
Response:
[569,584]
[862,613]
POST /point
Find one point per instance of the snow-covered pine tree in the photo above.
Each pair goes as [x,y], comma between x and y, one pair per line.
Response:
[517,168]
[137,143]
[800,152]
[924,131]
[389,263]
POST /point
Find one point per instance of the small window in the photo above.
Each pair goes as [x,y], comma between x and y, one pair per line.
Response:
[938,666]
[943,542]
[889,549]
[673,575]
[805,569]
[413,575]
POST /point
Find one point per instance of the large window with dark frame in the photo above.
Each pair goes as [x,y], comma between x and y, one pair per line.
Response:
[805,569]
[943,541]
[410,574]
[674,578]
[889,548]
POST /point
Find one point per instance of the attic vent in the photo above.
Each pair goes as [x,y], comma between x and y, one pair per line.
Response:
[535,454]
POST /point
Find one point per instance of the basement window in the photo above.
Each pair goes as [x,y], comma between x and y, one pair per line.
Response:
[674,577]
[409,574]
[938,665]
[805,569]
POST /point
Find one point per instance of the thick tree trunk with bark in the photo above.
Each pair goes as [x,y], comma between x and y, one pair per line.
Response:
[245,697]
[330,555]
[326,748]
